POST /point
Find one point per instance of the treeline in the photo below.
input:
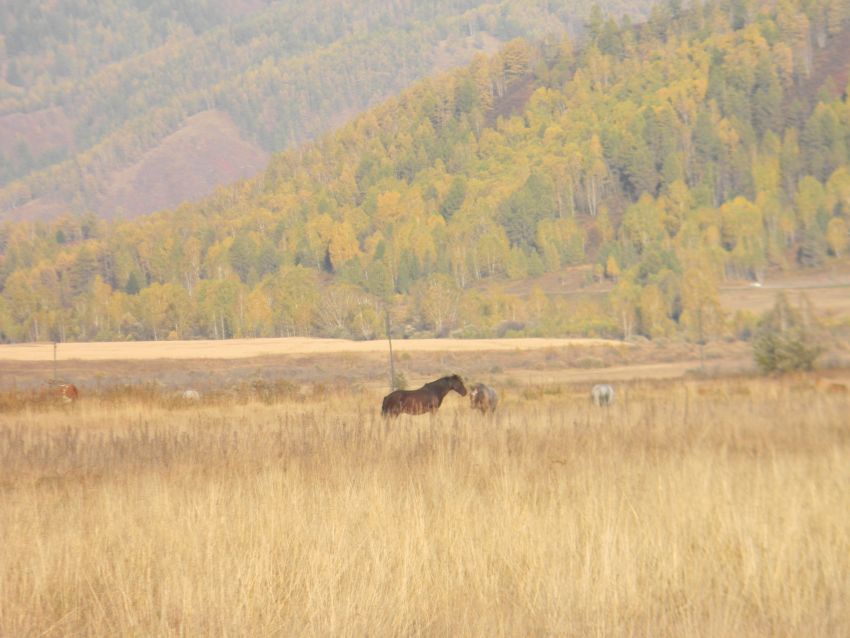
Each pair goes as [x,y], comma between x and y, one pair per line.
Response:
[127,75]
[663,157]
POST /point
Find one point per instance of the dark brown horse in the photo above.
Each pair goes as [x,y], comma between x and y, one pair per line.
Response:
[425,400]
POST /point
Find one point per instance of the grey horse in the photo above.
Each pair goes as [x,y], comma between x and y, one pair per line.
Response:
[483,397]
[602,394]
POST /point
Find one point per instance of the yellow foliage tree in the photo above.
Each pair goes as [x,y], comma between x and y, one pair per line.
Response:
[836,236]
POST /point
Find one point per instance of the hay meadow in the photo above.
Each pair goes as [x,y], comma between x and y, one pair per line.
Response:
[690,508]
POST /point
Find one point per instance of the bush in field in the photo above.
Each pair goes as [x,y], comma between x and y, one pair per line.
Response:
[787,338]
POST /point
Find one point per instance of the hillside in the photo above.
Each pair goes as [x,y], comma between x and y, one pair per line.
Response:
[207,150]
[92,89]
[658,164]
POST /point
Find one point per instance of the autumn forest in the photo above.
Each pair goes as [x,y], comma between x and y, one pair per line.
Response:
[656,158]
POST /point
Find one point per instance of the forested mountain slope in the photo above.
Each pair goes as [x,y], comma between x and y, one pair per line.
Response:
[701,145]
[89,88]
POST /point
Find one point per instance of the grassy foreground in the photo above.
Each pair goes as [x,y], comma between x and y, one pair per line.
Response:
[713,509]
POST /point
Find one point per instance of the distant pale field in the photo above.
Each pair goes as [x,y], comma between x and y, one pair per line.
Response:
[827,289]
[243,348]
[632,372]
[829,299]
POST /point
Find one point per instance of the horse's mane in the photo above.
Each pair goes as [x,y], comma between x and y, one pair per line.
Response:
[448,377]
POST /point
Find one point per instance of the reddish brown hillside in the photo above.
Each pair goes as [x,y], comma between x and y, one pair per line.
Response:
[205,152]
[831,62]
[43,131]
[235,8]
[451,53]
[513,101]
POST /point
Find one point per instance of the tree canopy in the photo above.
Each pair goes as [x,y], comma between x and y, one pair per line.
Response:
[665,157]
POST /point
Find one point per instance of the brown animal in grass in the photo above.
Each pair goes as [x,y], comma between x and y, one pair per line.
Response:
[483,397]
[425,400]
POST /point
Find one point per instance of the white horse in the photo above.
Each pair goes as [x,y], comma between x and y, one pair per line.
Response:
[602,394]
[191,396]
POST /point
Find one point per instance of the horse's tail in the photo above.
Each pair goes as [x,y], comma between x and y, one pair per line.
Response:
[385,406]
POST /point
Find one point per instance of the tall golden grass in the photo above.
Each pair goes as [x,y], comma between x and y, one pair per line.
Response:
[711,509]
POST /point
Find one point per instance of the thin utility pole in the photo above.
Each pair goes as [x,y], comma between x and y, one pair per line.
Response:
[390,340]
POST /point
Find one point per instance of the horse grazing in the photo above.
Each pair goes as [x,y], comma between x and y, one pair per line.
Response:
[483,397]
[425,400]
[602,394]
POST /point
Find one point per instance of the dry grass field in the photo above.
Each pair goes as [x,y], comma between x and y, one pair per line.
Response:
[689,508]
[213,365]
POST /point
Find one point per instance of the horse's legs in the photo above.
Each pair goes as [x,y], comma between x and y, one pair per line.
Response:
[432,424]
